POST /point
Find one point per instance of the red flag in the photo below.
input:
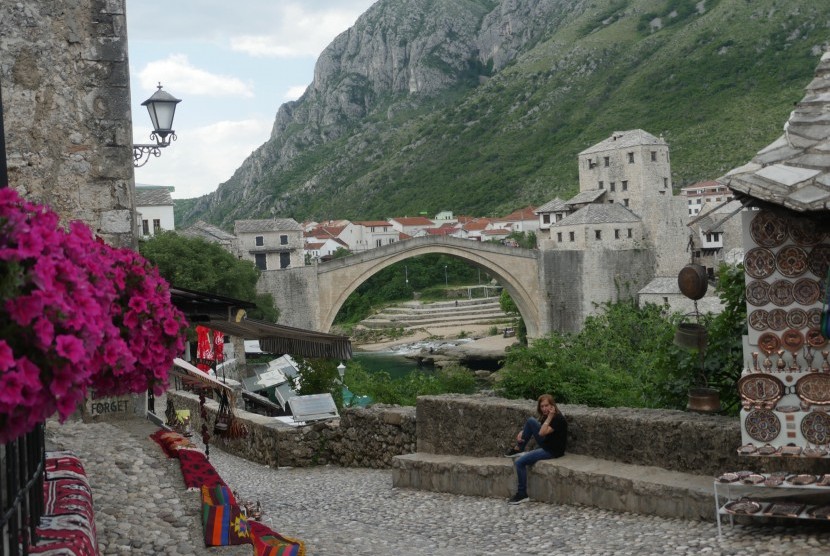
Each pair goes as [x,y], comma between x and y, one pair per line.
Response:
[219,346]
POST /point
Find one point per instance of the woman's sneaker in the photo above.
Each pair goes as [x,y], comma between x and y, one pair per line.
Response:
[513,452]
[518,498]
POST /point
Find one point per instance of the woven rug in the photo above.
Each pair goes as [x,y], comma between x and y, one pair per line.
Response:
[270,543]
[197,471]
[171,442]
[222,519]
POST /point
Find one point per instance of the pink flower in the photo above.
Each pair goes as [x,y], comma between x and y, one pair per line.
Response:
[6,356]
[70,347]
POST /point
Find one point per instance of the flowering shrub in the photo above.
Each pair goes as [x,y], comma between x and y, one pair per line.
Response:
[75,313]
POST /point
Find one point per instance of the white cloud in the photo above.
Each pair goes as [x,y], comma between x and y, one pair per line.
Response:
[295,92]
[300,30]
[177,73]
[195,162]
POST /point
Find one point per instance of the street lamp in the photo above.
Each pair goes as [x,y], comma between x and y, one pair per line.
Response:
[406,275]
[162,107]
[445,276]
[341,370]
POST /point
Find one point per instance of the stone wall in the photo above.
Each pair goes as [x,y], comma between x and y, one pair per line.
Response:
[675,440]
[362,437]
[295,295]
[66,106]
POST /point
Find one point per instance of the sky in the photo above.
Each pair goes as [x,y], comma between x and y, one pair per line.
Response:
[233,64]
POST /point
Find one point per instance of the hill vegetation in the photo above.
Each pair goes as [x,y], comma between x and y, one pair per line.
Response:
[715,78]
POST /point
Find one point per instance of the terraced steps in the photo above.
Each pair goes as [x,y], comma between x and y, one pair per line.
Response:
[414,314]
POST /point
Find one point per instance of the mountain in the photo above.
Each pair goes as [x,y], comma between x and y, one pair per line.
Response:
[481,106]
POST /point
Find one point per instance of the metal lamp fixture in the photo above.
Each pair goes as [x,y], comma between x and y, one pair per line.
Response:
[162,107]
[341,370]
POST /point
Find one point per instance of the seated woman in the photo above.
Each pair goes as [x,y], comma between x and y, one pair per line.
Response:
[551,433]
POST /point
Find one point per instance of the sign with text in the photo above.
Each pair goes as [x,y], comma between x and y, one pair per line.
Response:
[109,407]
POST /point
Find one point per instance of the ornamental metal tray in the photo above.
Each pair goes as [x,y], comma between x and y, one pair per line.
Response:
[784,509]
[819,512]
[814,388]
[791,261]
[760,389]
[768,229]
[801,480]
[744,506]
[760,263]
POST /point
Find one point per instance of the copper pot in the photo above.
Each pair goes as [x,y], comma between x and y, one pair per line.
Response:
[692,281]
[704,400]
[690,335]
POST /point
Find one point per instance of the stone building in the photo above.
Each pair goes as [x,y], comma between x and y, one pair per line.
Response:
[212,234]
[66,105]
[154,206]
[274,244]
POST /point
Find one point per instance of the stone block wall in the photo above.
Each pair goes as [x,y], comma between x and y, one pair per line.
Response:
[66,106]
[362,437]
[295,295]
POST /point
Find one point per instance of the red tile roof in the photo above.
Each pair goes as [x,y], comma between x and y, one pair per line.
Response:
[413,221]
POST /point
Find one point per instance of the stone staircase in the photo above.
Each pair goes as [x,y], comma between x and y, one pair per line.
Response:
[415,314]
[653,462]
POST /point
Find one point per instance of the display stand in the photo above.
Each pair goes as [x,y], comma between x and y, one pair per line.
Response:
[784,501]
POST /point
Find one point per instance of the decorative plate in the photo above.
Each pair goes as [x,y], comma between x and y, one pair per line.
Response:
[758,320]
[744,473]
[744,506]
[747,449]
[760,262]
[788,408]
[815,453]
[792,340]
[768,343]
[819,512]
[791,261]
[814,318]
[816,428]
[757,293]
[754,479]
[781,293]
[762,425]
[760,389]
[767,450]
[815,339]
[814,388]
[819,260]
[768,229]
[824,480]
[774,481]
[790,450]
[786,509]
[805,231]
[801,480]
[777,319]
[797,318]
[728,478]
[805,291]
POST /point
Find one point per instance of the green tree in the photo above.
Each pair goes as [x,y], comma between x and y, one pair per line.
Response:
[195,264]
[318,376]
[509,306]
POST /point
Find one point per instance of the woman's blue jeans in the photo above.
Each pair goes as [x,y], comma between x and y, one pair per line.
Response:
[530,430]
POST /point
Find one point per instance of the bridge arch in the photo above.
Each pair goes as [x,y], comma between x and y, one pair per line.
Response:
[516,269]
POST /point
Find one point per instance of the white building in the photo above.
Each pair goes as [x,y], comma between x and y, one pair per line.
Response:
[698,194]
[410,225]
[273,244]
[372,234]
[154,206]
[550,213]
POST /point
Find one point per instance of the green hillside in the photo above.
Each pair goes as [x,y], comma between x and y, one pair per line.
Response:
[717,84]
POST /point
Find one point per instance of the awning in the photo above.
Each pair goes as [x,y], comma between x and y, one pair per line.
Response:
[191,375]
[227,315]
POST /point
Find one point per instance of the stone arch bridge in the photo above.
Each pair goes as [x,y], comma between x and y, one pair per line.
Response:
[553,290]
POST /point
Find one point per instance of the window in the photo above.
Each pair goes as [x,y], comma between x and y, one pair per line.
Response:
[285,260]
[571,236]
[283,240]
[616,234]
[378,242]
[613,186]
[654,156]
[591,163]
[156,225]
[145,227]
[709,237]
[665,183]
[546,219]
[630,235]
[625,202]
[260,261]
[606,161]
[717,199]
[598,234]
[661,192]
[391,240]
[625,185]
[631,158]
[665,301]
[601,185]
[260,241]
[610,201]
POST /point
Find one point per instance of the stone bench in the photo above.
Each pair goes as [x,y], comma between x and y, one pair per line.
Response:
[572,479]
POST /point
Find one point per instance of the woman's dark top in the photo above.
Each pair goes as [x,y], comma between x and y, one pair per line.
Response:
[556,441]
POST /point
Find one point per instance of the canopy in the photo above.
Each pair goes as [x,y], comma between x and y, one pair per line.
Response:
[228,315]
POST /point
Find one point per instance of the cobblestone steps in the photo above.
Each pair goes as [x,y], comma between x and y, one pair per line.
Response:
[444,313]
[572,479]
